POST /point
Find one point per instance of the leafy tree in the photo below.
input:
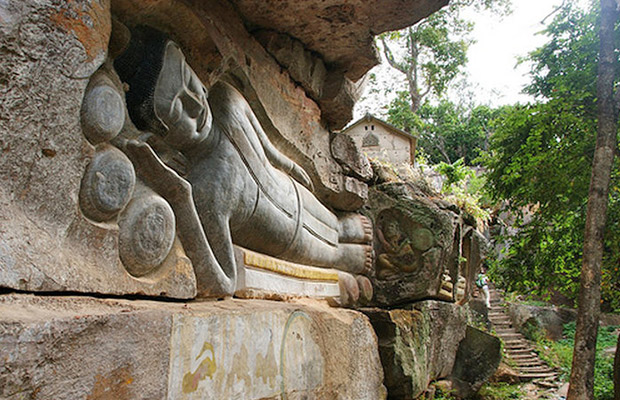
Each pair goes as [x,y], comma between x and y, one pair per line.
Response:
[582,371]
[540,159]
[447,131]
[430,54]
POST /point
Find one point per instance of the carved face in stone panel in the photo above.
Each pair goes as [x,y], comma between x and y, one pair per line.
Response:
[405,244]
[180,101]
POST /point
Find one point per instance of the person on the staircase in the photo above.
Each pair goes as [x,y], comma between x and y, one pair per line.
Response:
[483,283]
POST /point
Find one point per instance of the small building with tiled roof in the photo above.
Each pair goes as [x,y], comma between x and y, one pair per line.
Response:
[383,141]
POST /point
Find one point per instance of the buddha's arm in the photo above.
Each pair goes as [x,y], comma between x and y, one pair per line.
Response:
[215,277]
[278,159]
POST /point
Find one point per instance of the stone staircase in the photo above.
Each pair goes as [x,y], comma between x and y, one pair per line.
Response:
[517,349]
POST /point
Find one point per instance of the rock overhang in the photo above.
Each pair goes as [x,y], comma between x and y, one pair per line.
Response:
[341,32]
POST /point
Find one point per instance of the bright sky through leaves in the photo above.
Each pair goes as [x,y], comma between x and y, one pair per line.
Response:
[493,76]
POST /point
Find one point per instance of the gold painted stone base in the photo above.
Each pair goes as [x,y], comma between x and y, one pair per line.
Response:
[262,276]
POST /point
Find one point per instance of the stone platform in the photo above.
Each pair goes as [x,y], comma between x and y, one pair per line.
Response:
[70,347]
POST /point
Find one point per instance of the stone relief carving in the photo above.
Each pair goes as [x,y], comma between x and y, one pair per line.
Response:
[200,164]
[110,191]
[404,245]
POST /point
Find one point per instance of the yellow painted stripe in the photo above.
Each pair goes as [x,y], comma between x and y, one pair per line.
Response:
[282,267]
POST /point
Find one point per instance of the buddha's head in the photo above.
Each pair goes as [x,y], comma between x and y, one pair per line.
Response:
[165,95]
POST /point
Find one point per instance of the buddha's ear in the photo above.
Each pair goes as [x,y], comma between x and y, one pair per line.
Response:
[119,38]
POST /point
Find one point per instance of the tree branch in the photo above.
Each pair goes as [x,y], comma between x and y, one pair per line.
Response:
[390,57]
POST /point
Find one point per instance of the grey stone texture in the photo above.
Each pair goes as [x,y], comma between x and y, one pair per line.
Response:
[341,32]
[58,191]
[354,162]
[218,46]
[86,348]
[477,359]
[415,238]
[236,187]
[550,319]
[530,319]
[305,67]
[425,247]
[417,345]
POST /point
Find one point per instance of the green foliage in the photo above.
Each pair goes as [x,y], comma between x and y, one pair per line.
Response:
[490,391]
[501,391]
[454,173]
[560,355]
[540,159]
[432,52]
[400,115]
[447,131]
[463,188]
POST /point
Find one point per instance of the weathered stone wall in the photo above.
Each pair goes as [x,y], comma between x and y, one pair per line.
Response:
[300,89]
[48,51]
[85,348]
[417,344]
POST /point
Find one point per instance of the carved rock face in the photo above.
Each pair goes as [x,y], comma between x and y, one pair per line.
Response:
[103,112]
[413,243]
[107,184]
[146,233]
[180,101]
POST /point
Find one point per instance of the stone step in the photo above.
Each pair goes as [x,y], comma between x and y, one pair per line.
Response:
[511,348]
[505,329]
[499,318]
[516,348]
[515,342]
[538,368]
[547,383]
[517,352]
[509,336]
[533,368]
[541,375]
[525,361]
[536,371]
[524,356]
[535,362]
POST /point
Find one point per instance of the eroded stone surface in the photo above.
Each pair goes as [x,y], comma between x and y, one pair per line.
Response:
[417,345]
[51,49]
[414,243]
[147,350]
[342,33]
[350,156]
[218,46]
[478,356]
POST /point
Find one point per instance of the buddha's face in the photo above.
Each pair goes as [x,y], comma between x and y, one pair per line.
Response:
[180,101]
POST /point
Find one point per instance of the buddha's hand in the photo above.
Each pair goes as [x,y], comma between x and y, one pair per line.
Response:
[155,173]
[302,177]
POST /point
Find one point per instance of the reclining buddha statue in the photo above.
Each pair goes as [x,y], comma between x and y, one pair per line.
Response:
[235,186]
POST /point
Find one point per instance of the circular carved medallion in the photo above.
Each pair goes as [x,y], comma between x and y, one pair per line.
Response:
[103,113]
[146,234]
[107,184]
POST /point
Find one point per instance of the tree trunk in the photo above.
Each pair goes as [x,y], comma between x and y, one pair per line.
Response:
[582,372]
[617,372]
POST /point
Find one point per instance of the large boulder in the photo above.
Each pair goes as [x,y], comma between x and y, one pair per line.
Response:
[529,320]
[477,359]
[86,348]
[417,345]
[417,245]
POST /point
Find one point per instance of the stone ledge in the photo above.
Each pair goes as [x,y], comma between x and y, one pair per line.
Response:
[79,347]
